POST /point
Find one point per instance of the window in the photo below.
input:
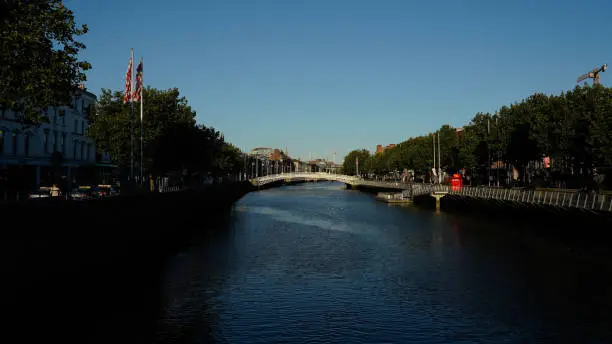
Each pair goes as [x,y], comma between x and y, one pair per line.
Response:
[82,148]
[63,143]
[83,127]
[83,105]
[26,145]
[74,146]
[14,143]
[55,141]
[46,141]
[1,141]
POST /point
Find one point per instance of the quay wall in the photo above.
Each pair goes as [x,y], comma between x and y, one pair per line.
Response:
[51,238]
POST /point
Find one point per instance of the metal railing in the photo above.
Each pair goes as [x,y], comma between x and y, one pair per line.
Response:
[304,176]
[169,189]
[558,198]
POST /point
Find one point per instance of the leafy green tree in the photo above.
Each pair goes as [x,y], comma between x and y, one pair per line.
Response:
[574,129]
[349,164]
[165,111]
[39,63]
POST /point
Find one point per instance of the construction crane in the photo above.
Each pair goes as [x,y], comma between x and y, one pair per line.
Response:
[594,74]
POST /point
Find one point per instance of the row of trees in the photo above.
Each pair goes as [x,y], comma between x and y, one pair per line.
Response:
[172,140]
[574,129]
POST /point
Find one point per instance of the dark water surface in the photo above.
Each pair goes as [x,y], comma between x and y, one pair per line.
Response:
[318,264]
[315,263]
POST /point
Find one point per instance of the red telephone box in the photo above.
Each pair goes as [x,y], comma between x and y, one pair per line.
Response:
[456,182]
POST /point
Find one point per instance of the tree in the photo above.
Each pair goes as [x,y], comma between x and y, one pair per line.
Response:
[350,161]
[165,110]
[39,63]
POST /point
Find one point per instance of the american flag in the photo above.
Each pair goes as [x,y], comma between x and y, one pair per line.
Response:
[127,96]
[137,96]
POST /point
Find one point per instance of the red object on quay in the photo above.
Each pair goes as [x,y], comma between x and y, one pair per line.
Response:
[456,182]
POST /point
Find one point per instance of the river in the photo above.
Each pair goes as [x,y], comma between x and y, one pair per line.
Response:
[315,263]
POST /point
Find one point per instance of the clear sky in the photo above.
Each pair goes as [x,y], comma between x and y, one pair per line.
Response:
[324,76]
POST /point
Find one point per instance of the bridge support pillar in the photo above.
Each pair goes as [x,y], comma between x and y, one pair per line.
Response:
[438,198]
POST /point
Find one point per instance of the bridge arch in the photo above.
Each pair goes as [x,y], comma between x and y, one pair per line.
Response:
[304,176]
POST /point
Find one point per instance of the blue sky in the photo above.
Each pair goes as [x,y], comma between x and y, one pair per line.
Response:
[324,76]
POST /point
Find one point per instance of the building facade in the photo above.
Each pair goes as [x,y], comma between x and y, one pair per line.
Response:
[380,148]
[27,152]
[261,152]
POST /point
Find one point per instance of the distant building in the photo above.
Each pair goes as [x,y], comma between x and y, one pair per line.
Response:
[273,154]
[380,148]
[278,155]
[261,152]
[322,165]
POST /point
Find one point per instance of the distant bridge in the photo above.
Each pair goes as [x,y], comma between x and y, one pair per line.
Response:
[305,176]
[410,189]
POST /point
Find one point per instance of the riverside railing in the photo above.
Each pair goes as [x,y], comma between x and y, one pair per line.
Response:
[556,198]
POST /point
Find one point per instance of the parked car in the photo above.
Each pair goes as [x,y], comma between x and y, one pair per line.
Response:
[106,191]
[40,193]
[81,193]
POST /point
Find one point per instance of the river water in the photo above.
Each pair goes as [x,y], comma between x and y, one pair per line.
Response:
[315,263]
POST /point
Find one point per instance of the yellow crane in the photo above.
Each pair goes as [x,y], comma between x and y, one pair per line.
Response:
[594,74]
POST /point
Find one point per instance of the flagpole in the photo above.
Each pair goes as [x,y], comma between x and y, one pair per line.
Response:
[132,121]
[141,124]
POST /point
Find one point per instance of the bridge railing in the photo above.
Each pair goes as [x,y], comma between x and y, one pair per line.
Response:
[165,188]
[419,189]
[557,198]
[303,175]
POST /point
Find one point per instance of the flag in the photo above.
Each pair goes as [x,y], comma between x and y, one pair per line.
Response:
[137,97]
[127,96]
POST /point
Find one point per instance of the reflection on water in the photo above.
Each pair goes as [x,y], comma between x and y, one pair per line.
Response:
[315,263]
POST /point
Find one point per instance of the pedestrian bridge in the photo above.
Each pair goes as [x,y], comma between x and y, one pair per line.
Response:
[304,176]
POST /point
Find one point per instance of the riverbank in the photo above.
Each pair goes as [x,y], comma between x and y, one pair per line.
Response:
[44,238]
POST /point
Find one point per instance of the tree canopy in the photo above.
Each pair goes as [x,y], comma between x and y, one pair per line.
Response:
[349,166]
[172,139]
[574,129]
[39,64]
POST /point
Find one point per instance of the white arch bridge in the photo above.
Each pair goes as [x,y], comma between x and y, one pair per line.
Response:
[305,176]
